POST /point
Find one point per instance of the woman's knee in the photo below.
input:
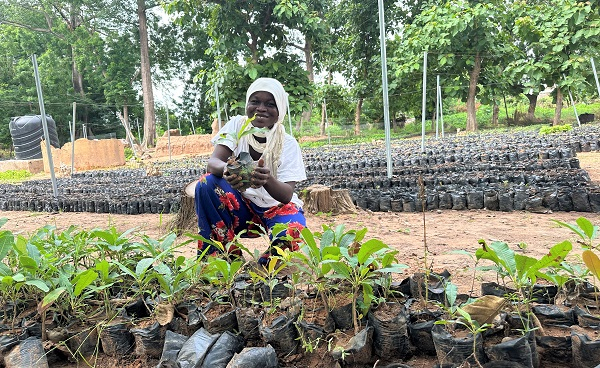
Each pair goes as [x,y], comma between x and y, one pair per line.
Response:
[207,183]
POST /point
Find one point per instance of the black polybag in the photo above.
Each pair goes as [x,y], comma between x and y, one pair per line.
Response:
[255,357]
[194,350]
[173,344]
[223,350]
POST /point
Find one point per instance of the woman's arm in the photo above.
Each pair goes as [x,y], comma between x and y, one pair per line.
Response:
[218,160]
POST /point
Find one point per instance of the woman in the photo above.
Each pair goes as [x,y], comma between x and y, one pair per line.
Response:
[223,207]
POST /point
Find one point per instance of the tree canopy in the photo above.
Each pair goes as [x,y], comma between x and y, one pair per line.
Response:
[93,53]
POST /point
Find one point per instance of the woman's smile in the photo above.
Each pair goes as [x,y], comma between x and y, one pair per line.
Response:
[262,105]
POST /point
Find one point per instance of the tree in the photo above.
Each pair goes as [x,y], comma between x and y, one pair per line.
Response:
[462,38]
[559,37]
[148,93]
[246,41]
[308,18]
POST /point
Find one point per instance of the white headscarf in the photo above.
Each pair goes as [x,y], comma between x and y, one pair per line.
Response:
[271,152]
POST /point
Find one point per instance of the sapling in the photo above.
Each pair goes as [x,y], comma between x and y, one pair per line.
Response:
[242,165]
[523,271]
[588,233]
[456,315]
[359,265]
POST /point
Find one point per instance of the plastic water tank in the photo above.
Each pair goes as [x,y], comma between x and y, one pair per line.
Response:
[27,132]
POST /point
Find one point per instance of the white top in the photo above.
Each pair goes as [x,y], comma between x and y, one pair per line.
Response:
[291,167]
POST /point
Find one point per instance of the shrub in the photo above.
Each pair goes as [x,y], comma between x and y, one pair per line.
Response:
[555,129]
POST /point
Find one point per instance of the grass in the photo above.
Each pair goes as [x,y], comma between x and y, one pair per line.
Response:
[14,176]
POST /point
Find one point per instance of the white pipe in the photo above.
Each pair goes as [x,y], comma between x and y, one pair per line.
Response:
[441,109]
[384,85]
[423,102]
[38,86]
[595,76]
[437,107]
[73,139]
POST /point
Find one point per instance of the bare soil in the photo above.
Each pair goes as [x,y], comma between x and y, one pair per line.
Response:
[439,232]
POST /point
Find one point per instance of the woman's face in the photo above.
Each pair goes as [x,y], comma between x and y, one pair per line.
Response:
[263,105]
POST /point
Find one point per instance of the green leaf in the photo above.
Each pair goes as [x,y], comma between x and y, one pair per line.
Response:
[51,297]
[84,279]
[342,269]
[18,277]
[38,284]
[7,241]
[573,228]
[587,227]
[327,238]
[103,267]
[368,248]
[252,73]
[451,292]
[308,238]
[499,253]
[28,263]
[143,265]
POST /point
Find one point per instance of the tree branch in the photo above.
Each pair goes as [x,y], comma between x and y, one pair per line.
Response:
[35,29]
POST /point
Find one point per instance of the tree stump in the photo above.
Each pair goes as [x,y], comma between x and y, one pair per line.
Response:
[321,198]
[185,219]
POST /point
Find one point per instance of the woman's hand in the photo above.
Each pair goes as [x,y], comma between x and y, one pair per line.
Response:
[234,180]
[260,175]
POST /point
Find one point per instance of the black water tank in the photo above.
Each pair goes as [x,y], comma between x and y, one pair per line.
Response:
[27,132]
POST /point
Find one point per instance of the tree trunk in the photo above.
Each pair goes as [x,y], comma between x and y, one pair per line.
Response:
[495,114]
[310,70]
[77,78]
[471,110]
[125,122]
[558,108]
[532,105]
[357,113]
[148,94]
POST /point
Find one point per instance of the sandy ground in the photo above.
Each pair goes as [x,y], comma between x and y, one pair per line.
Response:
[443,232]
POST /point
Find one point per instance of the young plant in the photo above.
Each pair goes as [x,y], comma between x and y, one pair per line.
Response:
[522,271]
[457,316]
[243,165]
[146,262]
[268,275]
[222,273]
[359,266]
[588,232]
[312,263]
[245,130]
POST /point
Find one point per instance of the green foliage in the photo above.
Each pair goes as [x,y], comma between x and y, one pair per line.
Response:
[588,232]
[244,131]
[523,271]
[555,129]
[456,315]
[14,176]
[360,264]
